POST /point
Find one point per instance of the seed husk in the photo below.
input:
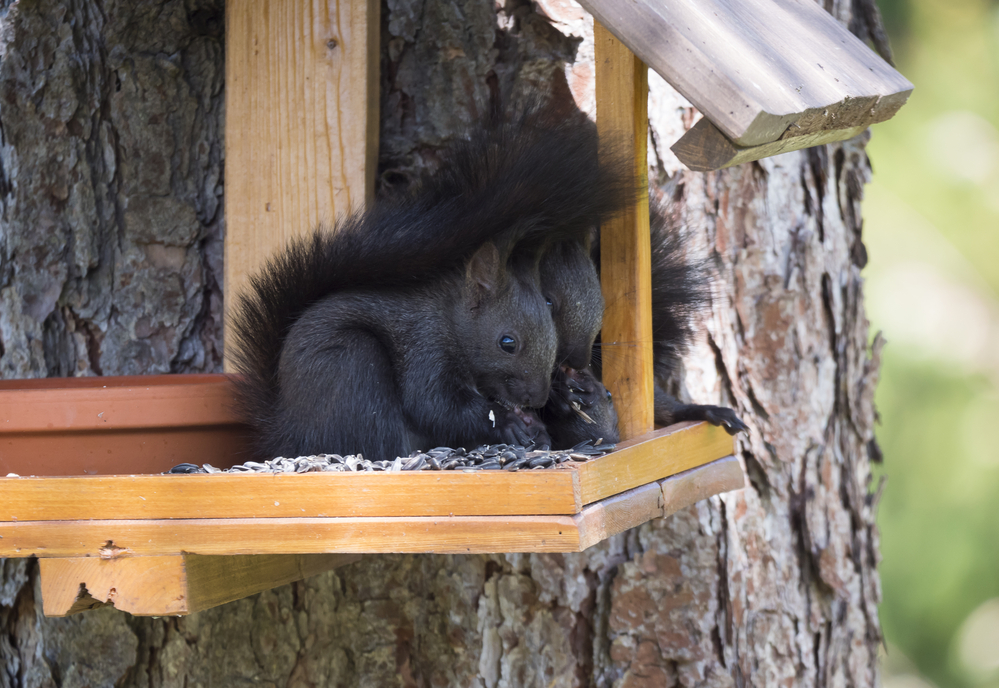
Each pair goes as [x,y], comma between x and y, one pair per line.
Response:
[484,457]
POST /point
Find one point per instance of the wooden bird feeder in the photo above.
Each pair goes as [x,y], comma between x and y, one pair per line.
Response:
[301,147]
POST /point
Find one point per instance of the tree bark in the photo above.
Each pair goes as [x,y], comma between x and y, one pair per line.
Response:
[110,240]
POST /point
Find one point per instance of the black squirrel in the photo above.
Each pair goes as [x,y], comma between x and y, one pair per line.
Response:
[579,407]
[422,321]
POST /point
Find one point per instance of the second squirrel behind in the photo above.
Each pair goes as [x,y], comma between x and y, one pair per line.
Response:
[579,407]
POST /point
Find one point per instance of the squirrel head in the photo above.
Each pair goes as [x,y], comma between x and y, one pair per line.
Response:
[570,281]
[511,339]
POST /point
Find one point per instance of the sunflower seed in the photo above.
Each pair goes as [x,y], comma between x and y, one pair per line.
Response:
[483,457]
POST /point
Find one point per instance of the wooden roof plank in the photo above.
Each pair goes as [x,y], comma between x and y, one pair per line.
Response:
[703,148]
[759,69]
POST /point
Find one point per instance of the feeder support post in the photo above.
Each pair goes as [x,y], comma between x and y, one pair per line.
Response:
[622,89]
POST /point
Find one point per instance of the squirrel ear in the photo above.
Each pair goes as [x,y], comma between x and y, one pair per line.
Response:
[483,271]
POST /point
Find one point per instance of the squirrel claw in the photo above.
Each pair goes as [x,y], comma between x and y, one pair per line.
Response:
[574,391]
[726,418]
[521,427]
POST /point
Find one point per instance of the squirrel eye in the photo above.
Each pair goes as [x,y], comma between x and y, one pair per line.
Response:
[608,395]
[508,344]
[549,303]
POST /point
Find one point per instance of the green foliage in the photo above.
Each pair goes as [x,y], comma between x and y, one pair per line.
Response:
[933,211]
[937,517]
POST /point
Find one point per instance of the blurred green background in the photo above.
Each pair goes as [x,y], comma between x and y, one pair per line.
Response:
[932,230]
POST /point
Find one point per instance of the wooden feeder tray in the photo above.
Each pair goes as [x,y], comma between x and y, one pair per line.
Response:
[175,544]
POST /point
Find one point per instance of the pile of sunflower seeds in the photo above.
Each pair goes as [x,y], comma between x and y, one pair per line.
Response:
[507,457]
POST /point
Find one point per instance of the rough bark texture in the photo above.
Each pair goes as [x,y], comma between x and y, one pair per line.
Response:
[110,240]
[110,187]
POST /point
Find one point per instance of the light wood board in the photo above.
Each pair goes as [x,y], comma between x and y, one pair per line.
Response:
[625,245]
[262,495]
[563,490]
[441,534]
[704,148]
[172,585]
[759,69]
[617,514]
[652,457]
[301,122]
[120,539]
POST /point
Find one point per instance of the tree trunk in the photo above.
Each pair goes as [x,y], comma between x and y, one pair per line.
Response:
[111,219]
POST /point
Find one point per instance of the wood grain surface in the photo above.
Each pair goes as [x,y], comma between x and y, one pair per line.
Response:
[301,122]
[759,69]
[652,457]
[616,514]
[704,148]
[564,490]
[172,585]
[625,245]
[115,403]
[444,534]
[114,539]
[114,425]
[268,495]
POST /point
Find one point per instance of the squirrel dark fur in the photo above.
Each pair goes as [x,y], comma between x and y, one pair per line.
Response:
[680,289]
[579,407]
[422,321]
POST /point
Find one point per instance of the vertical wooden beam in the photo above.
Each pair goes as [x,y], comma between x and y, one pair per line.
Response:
[625,250]
[301,122]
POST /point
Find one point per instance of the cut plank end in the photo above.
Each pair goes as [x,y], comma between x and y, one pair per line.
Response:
[757,67]
[705,148]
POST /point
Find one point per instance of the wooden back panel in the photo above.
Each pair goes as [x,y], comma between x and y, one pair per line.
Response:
[301,122]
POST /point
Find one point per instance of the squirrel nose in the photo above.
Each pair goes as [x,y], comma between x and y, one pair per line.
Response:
[577,358]
[537,397]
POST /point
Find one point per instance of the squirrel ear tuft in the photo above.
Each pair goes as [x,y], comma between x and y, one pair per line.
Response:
[484,270]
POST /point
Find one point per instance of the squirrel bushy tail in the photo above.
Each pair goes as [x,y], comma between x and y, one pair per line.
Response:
[515,182]
[681,288]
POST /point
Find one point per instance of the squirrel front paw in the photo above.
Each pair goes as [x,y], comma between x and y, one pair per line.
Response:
[520,426]
[717,415]
[575,391]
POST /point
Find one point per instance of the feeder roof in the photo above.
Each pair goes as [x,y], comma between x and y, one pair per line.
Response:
[760,71]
